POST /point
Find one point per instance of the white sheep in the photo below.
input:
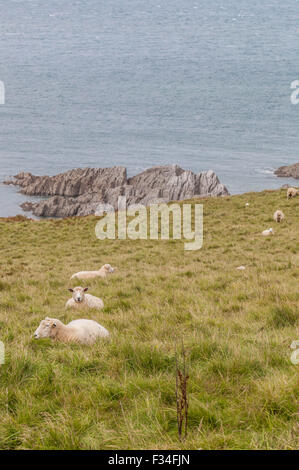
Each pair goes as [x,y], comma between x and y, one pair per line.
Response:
[103,272]
[278,216]
[268,232]
[292,192]
[77,331]
[80,299]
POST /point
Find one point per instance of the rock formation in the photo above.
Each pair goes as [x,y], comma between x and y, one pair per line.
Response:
[80,191]
[291,171]
[72,183]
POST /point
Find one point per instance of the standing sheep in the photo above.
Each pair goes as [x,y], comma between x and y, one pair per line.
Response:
[292,192]
[103,272]
[80,299]
[77,331]
[278,216]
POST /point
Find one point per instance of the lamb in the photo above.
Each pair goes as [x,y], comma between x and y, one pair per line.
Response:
[80,299]
[292,192]
[278,216]
[103,272]
[77,331]
[268,232]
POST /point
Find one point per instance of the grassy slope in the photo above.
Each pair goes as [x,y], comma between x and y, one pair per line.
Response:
[237,327]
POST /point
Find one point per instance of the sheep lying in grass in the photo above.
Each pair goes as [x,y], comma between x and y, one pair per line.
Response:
[292,192]
[103,272]
[268,232]
[278,216]
[77,331]
[80,299]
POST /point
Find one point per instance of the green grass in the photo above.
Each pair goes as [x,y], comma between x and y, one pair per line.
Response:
[237,328]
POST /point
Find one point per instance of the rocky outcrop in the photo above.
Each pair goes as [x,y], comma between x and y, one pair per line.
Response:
[72,183]
[80,191]
[291,171]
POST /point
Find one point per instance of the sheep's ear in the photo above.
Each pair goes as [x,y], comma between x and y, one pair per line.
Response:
[47,318]
[85,289]
[70,289]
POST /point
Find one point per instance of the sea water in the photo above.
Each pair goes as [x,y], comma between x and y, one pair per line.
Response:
[204,84]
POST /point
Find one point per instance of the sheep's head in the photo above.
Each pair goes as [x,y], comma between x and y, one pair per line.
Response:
[279,216]
[78,293]
[47,328]
[108,268]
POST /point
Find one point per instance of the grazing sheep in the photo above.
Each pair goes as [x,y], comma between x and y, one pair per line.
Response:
[241,268]
[278,216]
[292,192]
[247,204]
[268,232]
[80,299]
[77,331]
[103,272]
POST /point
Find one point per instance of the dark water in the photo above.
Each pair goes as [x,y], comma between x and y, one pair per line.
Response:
[204,84]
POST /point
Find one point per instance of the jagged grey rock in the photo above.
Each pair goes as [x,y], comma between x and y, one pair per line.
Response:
[71,183]
[290,171]
[80,191]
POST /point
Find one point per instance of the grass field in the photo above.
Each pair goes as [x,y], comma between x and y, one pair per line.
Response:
[237,327]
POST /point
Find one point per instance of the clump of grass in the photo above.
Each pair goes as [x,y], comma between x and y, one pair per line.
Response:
[282,317]
[181,394]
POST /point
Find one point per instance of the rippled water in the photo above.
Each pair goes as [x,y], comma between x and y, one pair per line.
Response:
[205,84]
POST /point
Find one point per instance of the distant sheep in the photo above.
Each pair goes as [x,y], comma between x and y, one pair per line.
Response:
[80,299]
[292,192]
[103,272]
[77,331]
[268,232]
[278,216]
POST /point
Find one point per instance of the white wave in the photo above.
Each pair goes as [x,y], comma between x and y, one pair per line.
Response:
[265,171]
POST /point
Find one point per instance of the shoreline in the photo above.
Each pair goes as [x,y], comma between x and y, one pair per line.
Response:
[14,198]
[81,191]
[23,218]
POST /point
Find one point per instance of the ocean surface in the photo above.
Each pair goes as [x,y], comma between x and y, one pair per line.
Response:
[202,83]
